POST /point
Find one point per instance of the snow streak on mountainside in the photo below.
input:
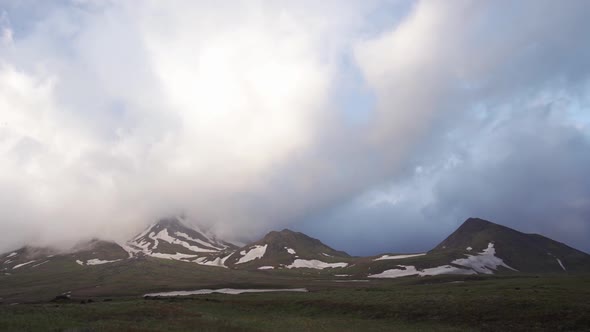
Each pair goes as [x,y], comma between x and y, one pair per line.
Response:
[252,254]
[385,257]
[485,262]
[174,232]
[171,239]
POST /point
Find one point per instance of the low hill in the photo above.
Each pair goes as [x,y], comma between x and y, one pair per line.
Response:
[287,250]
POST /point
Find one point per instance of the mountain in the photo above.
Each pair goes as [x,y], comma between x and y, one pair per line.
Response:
[525,252]
[171,239]
[287,249]
[476,247]
[483,247]
[93,252]
[24,258]
[168,238]
[171,255]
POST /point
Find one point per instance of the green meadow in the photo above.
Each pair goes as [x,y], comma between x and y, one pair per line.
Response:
[471,303]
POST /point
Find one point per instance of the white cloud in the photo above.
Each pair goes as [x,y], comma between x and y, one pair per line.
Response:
[113,114]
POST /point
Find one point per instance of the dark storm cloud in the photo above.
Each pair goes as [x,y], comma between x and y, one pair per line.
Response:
[529,172]
[510,137]
[535,181]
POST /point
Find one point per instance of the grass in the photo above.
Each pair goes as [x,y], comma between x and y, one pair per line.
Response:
[510,303]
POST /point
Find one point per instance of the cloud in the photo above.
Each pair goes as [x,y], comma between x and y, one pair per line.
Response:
[535,181]
[113,115]
[527,172]
[482,86]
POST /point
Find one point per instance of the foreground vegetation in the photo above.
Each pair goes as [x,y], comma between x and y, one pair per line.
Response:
[415,304]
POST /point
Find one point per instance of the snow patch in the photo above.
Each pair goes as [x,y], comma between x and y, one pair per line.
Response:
[131,251]
[144,245]
[397,273]
[176,256]
[39,264]
[23,264]
[199,241]
[560,264]
[411,270]
[314,264]
[149,240]
[291,251]
[384,257]
[445,269]
[266,268]
[217,262]
[225,258]
[485,262]
[79,262]
[231,291]
[11,255]
[254,253]
[469,248]
[558,261]
[97,261]
[165,236]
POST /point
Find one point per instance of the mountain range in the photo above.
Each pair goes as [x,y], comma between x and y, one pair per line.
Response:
[169,254]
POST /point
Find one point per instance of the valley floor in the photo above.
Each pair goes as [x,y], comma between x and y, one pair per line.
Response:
[513,303]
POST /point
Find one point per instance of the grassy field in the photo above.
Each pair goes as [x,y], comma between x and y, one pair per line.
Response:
[512,303]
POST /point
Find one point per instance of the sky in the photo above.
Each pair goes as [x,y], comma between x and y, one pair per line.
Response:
[375,126]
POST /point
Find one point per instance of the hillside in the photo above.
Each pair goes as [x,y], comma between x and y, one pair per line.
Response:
[171,239]
[171,255]
[483,247]
[287,250]
[532,253]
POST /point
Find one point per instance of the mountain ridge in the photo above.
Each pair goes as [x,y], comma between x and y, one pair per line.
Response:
[477,246]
